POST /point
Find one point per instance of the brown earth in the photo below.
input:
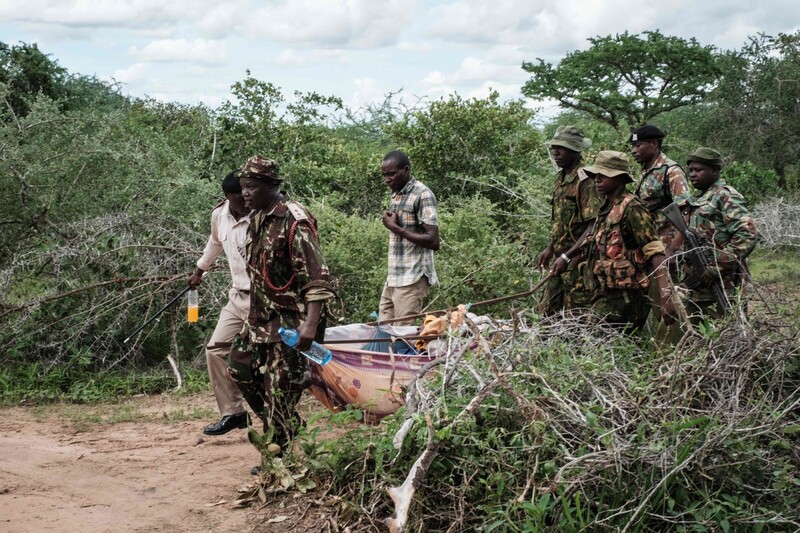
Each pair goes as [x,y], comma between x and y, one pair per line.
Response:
[140,465]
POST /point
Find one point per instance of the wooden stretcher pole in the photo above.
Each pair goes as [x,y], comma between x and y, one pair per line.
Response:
[387,339]
[476,304]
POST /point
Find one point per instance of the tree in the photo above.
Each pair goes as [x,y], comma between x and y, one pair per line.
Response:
[316,157]
[461,147]
[756,108]
[28,72]
[626,80]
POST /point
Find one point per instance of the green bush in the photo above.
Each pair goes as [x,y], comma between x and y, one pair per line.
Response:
[755,183]
[564,427]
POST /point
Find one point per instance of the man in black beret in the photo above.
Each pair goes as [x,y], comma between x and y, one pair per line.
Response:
[661,182]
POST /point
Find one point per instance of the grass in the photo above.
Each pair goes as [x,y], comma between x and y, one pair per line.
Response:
[33,384]
[771,266]
[82,417]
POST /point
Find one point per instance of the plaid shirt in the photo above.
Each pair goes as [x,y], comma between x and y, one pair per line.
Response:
[415,205]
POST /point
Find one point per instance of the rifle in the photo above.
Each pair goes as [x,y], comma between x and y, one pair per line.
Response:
[694,254]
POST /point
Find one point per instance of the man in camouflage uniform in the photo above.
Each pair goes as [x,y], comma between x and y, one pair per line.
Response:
[661,182]
[575,204]
[719,218]
[625,251]
[289,283]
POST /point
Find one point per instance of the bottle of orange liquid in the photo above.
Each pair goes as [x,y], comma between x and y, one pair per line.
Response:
[192,309]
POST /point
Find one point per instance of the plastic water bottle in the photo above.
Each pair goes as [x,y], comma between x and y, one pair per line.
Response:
[317,353]
[192,307]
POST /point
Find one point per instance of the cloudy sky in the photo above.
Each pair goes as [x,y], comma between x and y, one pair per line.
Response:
[191,51]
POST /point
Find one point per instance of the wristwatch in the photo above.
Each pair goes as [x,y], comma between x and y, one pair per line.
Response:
[565,258]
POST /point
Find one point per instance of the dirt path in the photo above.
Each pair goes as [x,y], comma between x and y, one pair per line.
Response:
[142,465]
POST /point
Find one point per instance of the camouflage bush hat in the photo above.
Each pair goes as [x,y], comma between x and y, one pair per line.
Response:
[706,156]
[612,164]
[571,138]
[648,132]
[261,168]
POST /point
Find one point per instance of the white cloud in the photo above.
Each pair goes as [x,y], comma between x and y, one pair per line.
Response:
[296,58]
[333,23]
[132,13]
[483,90]
[499,69]
[422,47]
[223,18]
[735,34]
[543,26]
[132,74]
[434,78]
[171,50]
[503,63]
[368,91]
[355,49]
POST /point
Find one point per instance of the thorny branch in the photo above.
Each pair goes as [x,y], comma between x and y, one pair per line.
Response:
[624,424]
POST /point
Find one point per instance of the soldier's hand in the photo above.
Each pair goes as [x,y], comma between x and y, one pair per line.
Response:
[306,336]
[558,267]
[669,257]
[544,258]
[668,314]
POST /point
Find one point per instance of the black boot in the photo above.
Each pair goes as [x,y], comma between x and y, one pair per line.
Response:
[228,423]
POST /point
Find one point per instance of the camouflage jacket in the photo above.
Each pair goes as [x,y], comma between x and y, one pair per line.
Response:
[659,185]
[624,241]
[721,221]
[286,270]
[575,204]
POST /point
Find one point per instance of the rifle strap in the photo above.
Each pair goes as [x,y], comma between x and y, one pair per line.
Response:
[667,198]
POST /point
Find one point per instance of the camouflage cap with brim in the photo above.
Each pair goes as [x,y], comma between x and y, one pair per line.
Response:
[261,168]
[612,164]
[571,138]
[706,156]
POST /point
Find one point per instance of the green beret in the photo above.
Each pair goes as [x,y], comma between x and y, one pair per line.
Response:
[612,164]
[706,156]
[261,168]
[571,138]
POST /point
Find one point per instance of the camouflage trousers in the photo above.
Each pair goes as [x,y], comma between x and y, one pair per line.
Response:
[623,308]
[564,292]
[271,377]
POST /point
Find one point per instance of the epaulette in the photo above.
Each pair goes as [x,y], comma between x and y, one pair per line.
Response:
[297,211]
[219,204]
[582,175]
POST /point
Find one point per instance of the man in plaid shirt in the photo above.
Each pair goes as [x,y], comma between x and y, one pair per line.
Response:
[413,224]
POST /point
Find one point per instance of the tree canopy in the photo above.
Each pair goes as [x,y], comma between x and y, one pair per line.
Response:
[626,80]
[756,108]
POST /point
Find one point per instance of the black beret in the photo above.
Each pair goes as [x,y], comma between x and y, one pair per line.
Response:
[647,132]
